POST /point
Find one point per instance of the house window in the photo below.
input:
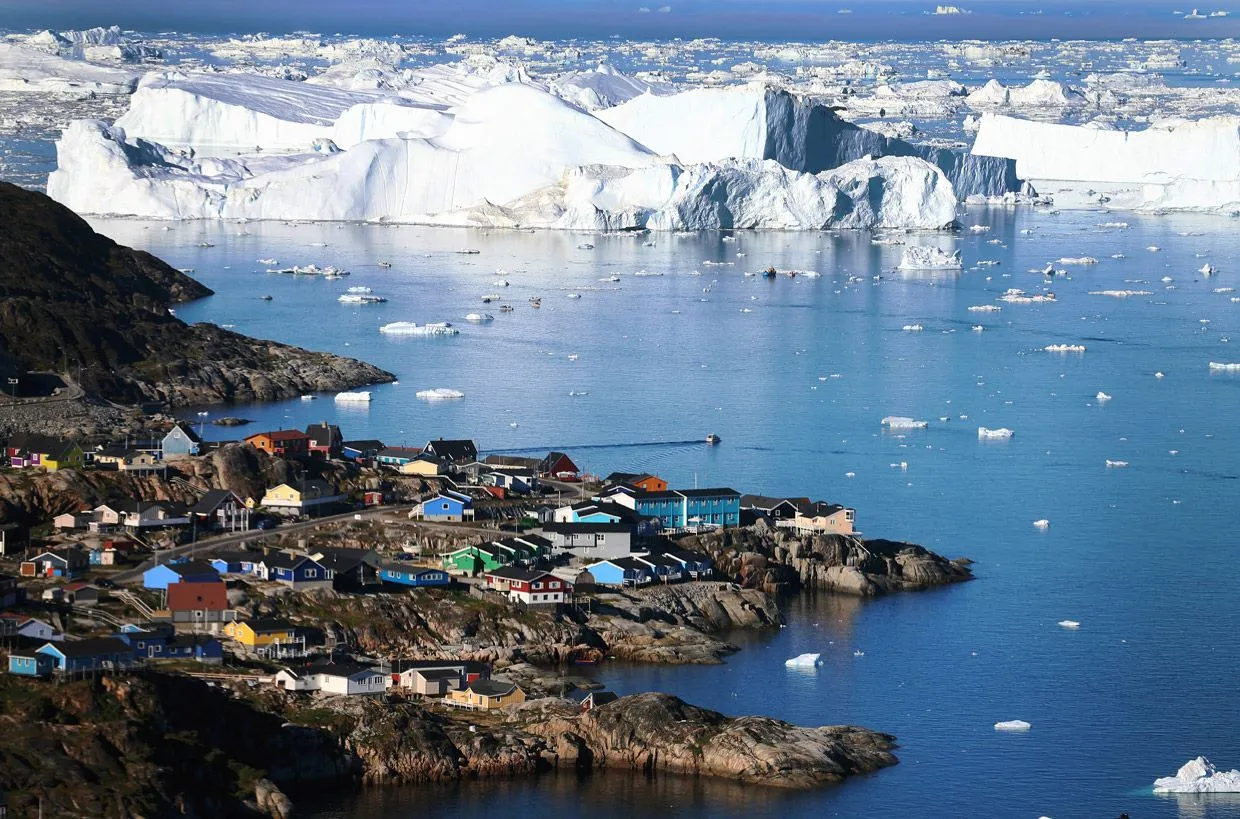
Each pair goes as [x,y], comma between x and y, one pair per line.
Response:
[311,573]
[445,507]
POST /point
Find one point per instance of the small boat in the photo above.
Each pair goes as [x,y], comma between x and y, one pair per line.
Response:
[535,303]
[385,264]
[265,298]
[770,273]
[490,297]
[505,308]
[712,439]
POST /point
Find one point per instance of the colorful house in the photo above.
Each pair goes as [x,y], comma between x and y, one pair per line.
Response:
[426,465]
[414,576]
[148,645]
[201,648]
[361,450]
[820,517]
[474,560]
[283,443]
[263,633]
[454,451]
[664,568]
[181,440]
[694,564]
[199,604]
[621,572]
[28,451]
[437,677]
[529,586]
[691,508]
[345,679]
[30,664]
[325,440]
[396,456]
[190,571]
[446,507]
[64,563]
[18,625]
[84,656]
[599,541]
[300,497]
[220,510]
[638,480]
[559,466]
[294,571]
[486,695]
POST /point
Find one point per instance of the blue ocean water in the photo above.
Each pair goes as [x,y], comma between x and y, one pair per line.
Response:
[795,375]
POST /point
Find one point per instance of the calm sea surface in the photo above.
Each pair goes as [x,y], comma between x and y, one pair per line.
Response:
[796,375]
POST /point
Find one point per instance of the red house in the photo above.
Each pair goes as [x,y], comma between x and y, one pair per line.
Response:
[529,586]
[559,466]
[325,440]
[198,604]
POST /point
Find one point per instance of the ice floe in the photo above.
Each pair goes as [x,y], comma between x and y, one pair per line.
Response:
[410,328]
[1069,624]
[439,394]
[357,397]
[804,661]
[1013,725]
[1064,348]
[921,257]
[1199,776]
[903,422]
[1000,434]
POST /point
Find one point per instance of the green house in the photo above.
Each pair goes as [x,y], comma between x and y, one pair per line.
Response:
[474,560]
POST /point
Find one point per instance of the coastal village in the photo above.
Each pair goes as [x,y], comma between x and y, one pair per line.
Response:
[141,581]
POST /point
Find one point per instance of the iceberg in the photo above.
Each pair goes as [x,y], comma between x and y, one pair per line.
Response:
[1064,348]
[1199,776]
[804,661]
[1042,524]
[410,328]
[903,422]
[1000,434]
[1171,165]
[439,394]
[26,70]
[1012,725]
[918,257]
[1069,624]
[1102,397]
[1038,94]
[1224,367]
[359,397]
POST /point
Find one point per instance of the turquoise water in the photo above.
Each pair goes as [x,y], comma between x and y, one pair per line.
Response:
[1141,555]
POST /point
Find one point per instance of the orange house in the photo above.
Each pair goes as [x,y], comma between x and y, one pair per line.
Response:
[281,443]
[651,483]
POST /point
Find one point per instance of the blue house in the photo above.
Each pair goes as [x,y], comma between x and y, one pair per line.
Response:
[620,571]
[202,648]
[30,664]
[150,645]
[190,571]
[181,440]
[412,575]
[448,507]
[691,508]
[361,450]
[80,656]
[695,564]
[292,570]
[232,563]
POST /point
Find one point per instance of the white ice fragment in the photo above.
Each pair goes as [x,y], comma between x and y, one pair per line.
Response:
[1225,367]
[1102,397]
[1199,776]
[903,422]
[1064,348]
[1012,725]
[359,397]
[1042,524]
[1079,260]
[410,328]
[1116,464]
[1072,624]
[919,257]
[912,328]
[439,394]
[1000,434]
[804,661]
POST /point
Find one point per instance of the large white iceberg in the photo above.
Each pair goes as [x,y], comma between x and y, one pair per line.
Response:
[1038,94]
[919,257]
[804,661]
[1171,165]
[27,70]
[1199,776]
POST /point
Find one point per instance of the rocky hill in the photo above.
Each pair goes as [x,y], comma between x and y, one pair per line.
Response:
[72,300]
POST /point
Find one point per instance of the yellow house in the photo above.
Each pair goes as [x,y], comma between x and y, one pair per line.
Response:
[66,456]
[827,518]
[423,465]
[260,633]
[300,496]
[484,695]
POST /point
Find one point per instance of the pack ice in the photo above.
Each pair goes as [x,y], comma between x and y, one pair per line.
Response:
[1199,776]
[509,155]
[1171,165]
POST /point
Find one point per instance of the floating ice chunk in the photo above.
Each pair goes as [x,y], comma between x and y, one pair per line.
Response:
[410,328]
[1116,464]
[359,397]
[1015,296]
[984,308]
[1153,248]
[1208,269]
[1232,367]
[1158,375]
[912,328]
[439,394]
[804,661]
[1081,260]
[977,328]
[1000,434]
[1069,624]
[1012,725]
[1199,776]
[1102,397]
[479,318]
[1042,524]
[1120,294]
[1064,348]
[918,257]
[903,422]
[1114,225]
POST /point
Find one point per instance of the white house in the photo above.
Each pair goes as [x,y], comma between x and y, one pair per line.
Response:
[346,679]
[23,626]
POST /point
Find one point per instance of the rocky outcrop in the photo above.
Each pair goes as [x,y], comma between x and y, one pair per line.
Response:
[74,301]
[780,560]
[659,732]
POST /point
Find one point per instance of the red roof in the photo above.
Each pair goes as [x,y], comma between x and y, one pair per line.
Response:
[197,597]
[282,435]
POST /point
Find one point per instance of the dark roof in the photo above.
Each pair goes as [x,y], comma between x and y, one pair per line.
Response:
[363,446]
[211,501]
[687,493]
[281,435]
[625,563]
[192,567]
[269,624]
[658,560]
[92,647]
[684,554]
[468,665]
[513,461]
[460,449]
[188,429]
[553,457]
[43,444]
[766,502]
[439,674]
[342,669]
[399,452]
[587,528]
[184,640]
[533,541]
[602,697]
[817,508]
[282,560]
[319,432]
[491,688]
[513,573]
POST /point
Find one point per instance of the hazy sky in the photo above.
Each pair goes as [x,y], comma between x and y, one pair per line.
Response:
[770,19]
